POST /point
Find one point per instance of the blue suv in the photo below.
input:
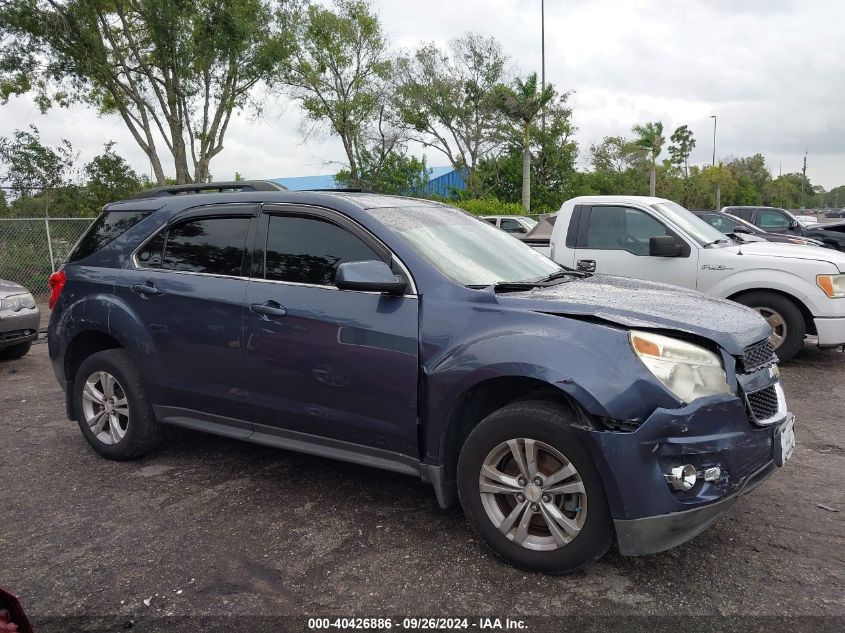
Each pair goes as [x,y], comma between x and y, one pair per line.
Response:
[564,411]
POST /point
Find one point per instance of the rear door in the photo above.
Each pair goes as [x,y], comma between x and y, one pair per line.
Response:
[186,286]
[614,240]
[329,363]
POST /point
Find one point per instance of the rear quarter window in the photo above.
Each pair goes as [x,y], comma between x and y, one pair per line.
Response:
[108,226]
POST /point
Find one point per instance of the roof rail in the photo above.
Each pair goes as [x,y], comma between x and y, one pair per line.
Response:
[209,187]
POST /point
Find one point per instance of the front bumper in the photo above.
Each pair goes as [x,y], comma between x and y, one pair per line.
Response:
[16,328]
[717,431]
[831,331]
[649,535]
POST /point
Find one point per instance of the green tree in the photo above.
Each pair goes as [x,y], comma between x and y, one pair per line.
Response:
[108,178]
[553,175]
[396,173]
[521,103]
[29,167]
[650,138]
[683,143]
[174,70]
[447,101]
[340,73]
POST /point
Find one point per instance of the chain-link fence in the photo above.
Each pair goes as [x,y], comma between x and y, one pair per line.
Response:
[33,248]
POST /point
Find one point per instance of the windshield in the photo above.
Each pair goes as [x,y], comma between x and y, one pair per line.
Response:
[529,222]
[690,223]
[467,250]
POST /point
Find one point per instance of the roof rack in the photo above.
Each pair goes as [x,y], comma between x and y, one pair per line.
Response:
[210,187]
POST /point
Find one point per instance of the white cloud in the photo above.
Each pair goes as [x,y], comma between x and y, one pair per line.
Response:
[770,69]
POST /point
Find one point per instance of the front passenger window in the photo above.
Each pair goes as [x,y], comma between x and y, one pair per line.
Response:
[309,250]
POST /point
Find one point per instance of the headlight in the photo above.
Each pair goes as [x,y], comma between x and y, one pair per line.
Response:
[832,285]
[687,370]
[17,303]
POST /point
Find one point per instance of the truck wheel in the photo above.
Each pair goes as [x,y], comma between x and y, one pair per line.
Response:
[111,406]
[530,489]
[786,320]
[15,351]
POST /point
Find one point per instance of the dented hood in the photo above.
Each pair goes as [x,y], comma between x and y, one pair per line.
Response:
[644,304]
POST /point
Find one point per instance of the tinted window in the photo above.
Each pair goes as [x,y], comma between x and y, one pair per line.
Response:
[152,252]
[512,226]
[208,245]
[490,220]
[105,228]
[309,250]
[621,228]
[769,220]
[722,223]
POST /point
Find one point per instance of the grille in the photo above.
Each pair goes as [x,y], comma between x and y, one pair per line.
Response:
[763,403]
[756,356]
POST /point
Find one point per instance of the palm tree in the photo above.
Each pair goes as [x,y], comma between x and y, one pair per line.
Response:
[522,103]
[650,137]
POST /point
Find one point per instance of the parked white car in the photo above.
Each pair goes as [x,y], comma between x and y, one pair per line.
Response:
[516,225]
[800,290]
[806,219]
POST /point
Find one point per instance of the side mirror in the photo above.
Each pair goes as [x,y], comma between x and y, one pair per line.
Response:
[372,276]
[794,225]
[664,246]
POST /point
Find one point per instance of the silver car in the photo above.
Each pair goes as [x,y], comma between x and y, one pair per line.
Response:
[19,320]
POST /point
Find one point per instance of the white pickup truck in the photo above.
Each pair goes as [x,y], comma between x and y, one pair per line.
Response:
[800,290]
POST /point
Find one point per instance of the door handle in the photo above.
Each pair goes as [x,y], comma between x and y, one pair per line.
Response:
[586,265]
[146,289]
[268,309]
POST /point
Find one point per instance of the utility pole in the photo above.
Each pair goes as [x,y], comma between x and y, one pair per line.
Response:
[803,178]
[718,184]
[543,57]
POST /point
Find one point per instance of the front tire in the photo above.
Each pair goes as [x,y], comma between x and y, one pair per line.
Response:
[112,408]
[530,489]
[15,351]
[785,319]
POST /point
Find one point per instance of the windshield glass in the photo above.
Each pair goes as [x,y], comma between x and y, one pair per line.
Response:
[467,250]
[691,224]
[529,222]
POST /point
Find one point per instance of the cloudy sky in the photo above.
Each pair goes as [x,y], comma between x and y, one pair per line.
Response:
[772,70]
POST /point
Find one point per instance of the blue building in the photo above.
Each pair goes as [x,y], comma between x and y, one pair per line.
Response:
[442,181]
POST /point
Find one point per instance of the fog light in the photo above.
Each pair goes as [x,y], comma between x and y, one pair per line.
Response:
[682,477]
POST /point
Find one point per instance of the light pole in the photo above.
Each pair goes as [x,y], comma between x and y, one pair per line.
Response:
[718,184]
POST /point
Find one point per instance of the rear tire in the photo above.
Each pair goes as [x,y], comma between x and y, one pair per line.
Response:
[555,532]
[15,351]
[112,408]
[789,328]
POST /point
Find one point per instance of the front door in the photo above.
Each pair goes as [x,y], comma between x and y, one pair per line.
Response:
[776,221]
[614,240]
[332,363]
[186,288]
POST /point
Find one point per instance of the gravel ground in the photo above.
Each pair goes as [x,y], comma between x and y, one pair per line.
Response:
[214,527]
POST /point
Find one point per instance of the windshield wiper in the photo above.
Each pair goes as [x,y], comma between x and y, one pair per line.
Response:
[557,277]
[563,273]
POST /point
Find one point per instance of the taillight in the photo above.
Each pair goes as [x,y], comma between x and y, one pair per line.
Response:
[56,282]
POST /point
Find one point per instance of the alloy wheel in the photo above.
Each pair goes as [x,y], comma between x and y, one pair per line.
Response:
[777,323]
[105,407]
[533,494]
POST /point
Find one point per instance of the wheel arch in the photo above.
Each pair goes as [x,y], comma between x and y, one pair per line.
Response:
[475,404]
[809,321]
[81,346]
